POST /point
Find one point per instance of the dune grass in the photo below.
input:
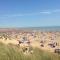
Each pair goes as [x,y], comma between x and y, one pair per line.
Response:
[12,52]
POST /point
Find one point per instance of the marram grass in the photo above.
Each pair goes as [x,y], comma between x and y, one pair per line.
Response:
[12,52]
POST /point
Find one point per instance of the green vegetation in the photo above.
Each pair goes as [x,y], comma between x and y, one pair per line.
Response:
[13,52]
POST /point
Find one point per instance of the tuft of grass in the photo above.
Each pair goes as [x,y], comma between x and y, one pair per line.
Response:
[13,52]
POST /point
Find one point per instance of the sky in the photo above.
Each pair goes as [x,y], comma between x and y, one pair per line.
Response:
[29,13]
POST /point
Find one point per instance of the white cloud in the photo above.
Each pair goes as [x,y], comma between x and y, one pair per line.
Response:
[12,15]
[45,12]
[32,14]
[19,15]
[57,10]
[50,11]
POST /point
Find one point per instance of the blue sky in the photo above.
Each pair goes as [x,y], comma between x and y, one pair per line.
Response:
[29,13]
